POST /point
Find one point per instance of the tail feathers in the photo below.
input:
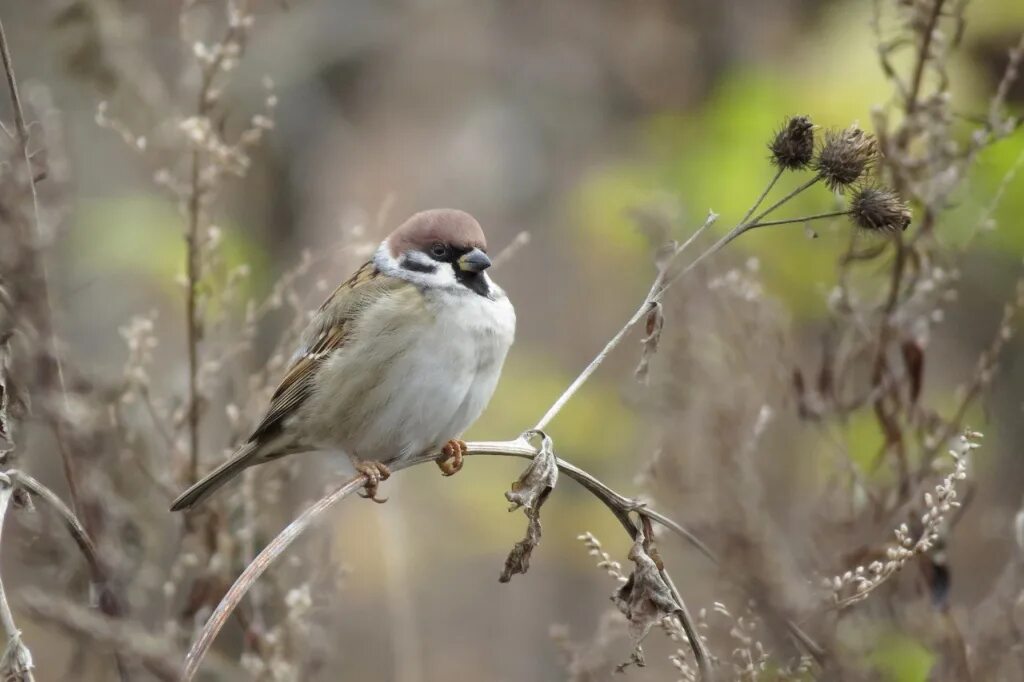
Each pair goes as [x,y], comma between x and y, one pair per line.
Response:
[244,457]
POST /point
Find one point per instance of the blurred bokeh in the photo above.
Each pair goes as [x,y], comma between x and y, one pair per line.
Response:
[558,119]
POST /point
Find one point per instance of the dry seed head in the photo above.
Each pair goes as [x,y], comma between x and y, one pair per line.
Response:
[793,146]
[877,209]
[845,156]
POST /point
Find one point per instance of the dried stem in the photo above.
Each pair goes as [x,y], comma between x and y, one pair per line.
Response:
[700,651]
[649,301]
[196,197]
[52,357]
[256,568]
[191,322]
[510,250]
[764,195]
[109,603]
[803,219]
[735,233]
[16,664]
[923,56]
[125,638]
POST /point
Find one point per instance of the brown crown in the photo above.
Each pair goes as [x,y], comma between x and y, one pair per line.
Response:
[445,225]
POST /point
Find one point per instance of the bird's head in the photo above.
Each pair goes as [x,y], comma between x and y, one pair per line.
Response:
[440,248]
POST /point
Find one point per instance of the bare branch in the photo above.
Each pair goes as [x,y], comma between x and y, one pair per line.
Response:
[128,639]
[513,247]
[660,284]
[620,505]
[16,664]
[52,357]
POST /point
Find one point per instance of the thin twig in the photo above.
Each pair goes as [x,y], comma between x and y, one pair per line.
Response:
[923,55]
[803,219]
[16,664]
[700,651]
[640,313]
[108,600]
[663,281]
[254,570]
[153,652]
[513,247]
[47,330]
[193,261]
[733,234]
[764,195]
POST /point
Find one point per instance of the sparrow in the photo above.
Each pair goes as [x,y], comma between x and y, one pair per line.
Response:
[398,361]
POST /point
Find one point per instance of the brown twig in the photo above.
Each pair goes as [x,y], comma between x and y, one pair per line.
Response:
[16,664]
[109,602]
[127,639]
[193,262]
[52,357]
[661,282]
[923,55]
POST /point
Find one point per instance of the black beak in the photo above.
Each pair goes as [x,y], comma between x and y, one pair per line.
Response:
[474,261]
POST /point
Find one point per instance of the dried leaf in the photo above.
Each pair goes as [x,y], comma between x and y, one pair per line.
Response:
[652,327]
[530,491]
[645,599]
[913,358]
[6,438]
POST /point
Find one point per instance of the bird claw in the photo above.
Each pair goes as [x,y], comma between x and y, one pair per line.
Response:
[450,459]
[375,472]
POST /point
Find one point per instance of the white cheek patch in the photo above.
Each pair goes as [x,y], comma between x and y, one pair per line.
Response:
[415,267]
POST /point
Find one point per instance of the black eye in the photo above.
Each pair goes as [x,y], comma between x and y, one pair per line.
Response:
[439,251]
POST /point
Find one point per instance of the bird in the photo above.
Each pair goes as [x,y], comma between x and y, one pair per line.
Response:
[398,361]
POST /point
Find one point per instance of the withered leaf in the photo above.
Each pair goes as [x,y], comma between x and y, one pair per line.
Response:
[653,325]
[6,438]
[530,491]
[913,358]
[645,599]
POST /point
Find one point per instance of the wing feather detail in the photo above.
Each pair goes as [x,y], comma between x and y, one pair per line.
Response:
[335,320]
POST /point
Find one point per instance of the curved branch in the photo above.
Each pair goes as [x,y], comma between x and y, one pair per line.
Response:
[109,602]
[620,505]
[255,569]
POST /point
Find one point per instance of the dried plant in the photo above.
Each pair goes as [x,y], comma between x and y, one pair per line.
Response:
[130,431]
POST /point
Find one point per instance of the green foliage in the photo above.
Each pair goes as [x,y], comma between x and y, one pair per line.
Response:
[144,236]
[900,658]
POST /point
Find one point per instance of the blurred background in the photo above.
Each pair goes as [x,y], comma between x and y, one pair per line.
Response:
[560,119]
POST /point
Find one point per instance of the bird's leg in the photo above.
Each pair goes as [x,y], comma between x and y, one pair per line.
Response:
[375,472]
[450,459]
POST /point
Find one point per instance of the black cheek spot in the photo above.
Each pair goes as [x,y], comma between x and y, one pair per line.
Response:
[416,266]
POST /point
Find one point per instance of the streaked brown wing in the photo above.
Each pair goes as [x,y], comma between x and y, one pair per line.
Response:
[329,335]
[366,273]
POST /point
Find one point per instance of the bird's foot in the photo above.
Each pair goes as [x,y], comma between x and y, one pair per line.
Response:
[450,460]
[375,472]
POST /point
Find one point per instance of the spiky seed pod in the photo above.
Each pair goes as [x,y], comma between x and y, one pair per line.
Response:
[845,156]
[878,209]
[793,146]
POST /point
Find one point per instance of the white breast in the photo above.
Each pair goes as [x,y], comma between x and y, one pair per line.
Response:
[417,373]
